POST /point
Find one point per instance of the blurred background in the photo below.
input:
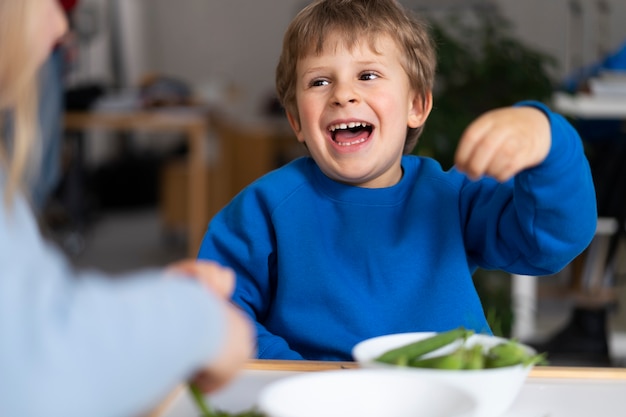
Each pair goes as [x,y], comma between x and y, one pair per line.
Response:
[169,110]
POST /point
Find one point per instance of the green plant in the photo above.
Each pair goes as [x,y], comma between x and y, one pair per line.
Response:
[494,289]
[481,66]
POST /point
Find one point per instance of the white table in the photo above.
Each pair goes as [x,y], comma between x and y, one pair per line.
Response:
[588,106]
[548,391]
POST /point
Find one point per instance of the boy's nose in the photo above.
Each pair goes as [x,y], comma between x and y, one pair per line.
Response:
[344,94]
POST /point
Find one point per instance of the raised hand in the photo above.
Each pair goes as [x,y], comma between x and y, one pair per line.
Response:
[503,142]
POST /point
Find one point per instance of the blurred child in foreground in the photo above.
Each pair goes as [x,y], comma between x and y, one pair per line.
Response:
[362,238]
[77,344]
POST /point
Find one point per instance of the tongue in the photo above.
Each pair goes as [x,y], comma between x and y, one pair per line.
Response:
[350,136]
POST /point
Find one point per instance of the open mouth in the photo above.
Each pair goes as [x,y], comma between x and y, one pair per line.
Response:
[349,134]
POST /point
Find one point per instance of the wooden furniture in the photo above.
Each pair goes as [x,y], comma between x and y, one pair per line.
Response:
[252,148]
[553,391]
[242,152]
[195,126]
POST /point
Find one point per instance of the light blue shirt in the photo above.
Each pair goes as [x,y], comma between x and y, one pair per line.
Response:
[77,344]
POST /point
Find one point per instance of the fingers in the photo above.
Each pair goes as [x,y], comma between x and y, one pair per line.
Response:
[503,142]
[470,140]
[184,267]
[495,154]
[238,347]
[239,341]
[218,279]
[477,149]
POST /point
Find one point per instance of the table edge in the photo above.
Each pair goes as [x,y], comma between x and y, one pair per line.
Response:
[537,371]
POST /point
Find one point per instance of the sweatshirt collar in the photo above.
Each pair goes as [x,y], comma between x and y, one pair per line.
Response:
[351,194]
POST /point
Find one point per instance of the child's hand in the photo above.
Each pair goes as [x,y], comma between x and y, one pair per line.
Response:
[218,279]
[238,347]
[239,340]
[503,142]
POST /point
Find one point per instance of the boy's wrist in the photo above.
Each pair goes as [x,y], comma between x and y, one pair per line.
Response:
[562,133]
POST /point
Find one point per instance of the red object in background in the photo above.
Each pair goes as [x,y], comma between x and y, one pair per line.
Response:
[68,5]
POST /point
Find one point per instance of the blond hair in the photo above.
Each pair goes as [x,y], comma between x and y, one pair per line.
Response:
[352,20]
[18,93]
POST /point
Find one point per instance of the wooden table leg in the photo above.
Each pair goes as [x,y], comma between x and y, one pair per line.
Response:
[197,192]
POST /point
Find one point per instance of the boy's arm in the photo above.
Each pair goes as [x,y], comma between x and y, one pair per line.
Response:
[540,220]
[239,236]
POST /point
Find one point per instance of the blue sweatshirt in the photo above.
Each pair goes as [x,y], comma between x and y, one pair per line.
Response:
[322,265]
[82,344]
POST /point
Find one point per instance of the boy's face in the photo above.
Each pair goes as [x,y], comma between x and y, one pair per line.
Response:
[355,107]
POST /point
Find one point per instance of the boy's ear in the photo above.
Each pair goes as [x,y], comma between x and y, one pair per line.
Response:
[295,125]
[420,109]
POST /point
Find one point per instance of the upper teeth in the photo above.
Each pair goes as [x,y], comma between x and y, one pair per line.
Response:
[347,125]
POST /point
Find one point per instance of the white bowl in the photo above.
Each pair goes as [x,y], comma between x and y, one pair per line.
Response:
[494,389]
[364,393]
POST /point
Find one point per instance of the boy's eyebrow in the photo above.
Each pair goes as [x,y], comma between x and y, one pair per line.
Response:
[314,69]
[370,62]
[325,67]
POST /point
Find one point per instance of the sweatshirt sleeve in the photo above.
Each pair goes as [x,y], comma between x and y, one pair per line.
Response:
[241,236]
[78,344]
[539,221]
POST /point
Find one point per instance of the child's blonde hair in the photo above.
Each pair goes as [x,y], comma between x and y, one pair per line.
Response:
[352,20]
[18,93]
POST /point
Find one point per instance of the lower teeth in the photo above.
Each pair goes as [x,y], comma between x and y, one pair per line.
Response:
[356,142]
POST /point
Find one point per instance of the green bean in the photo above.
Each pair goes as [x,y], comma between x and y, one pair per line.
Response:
[511,353]
[404,354]
[454,360]
[198,397]
[474,358]
[505,354]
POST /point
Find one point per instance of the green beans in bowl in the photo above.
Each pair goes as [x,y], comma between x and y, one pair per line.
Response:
[492,369]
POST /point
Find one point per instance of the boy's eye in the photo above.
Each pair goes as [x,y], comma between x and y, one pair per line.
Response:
[318,83]
[368,76]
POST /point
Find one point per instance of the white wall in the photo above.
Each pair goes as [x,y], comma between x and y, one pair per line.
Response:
[134,33]
[220,44]
[546,25]
[234,44]
[92,62]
